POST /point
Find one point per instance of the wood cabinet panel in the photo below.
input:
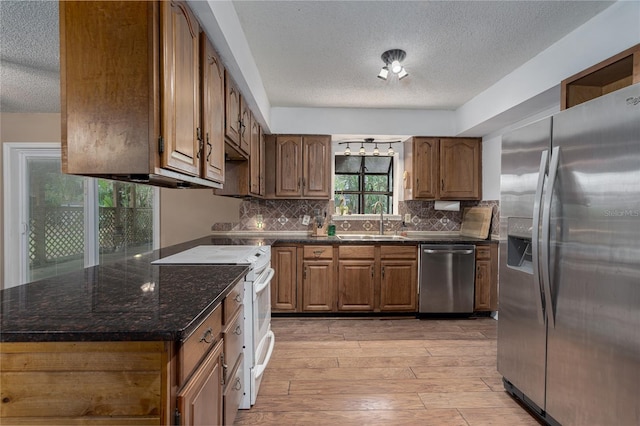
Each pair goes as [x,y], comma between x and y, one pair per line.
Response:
[233,126]
[211,151]
[316,174]
[356,285]
[426,172]
[460,168]
[245,127]
[285,280]
[398,285]
[318,252]
[198,344]
[256,159]
[318,286]
[486,278]
[233,393]
[181,63]
[200,401]
[288,166]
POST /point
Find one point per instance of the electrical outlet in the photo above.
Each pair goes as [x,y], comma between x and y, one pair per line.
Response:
[305,219]
[258,218]
[407,217]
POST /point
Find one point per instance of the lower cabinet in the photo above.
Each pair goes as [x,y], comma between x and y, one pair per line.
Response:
[356,278]
[200,400]
[318,282]
[486,286]
[398,279]
[284,284]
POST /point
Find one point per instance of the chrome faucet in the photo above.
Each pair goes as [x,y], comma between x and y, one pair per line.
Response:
[379,204]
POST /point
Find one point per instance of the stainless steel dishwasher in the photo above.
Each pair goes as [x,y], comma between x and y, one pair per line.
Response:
[447,274]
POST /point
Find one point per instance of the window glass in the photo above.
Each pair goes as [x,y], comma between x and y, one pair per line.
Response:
[363,181]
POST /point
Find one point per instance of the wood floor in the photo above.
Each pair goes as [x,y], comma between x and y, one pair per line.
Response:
[376,371]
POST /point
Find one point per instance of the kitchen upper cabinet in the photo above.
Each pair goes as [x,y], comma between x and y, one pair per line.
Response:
[285,280]
[131,92]
[318,288]
[443,168]
[181,90]
[486,285]
[302,167]
[398,278]
[233,123]
[256,159]
[245,126]
[356,278]
[212,151]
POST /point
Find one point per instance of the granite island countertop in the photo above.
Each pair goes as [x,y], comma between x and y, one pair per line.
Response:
[128,300]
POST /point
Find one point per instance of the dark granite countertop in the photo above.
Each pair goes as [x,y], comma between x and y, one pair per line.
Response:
[135,300]
[122,300]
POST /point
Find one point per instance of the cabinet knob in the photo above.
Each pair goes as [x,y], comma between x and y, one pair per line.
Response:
[238,298]
[237,385]
[207,336]
[238,331]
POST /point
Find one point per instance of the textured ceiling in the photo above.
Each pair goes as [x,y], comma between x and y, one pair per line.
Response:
[327,53]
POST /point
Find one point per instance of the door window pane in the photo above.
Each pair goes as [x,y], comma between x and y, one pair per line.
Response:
[125,222]
[55,219]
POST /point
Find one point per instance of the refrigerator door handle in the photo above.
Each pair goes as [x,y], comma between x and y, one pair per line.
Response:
[546,231]
[535,235]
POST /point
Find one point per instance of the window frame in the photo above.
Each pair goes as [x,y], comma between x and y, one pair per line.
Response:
[361,193]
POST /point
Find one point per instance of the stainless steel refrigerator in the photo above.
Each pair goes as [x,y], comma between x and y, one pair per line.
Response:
[569,296]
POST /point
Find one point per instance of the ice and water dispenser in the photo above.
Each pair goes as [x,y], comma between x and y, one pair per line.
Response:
[519,249]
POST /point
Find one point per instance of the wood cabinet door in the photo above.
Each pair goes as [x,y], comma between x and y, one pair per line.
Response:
[256,157]
[284,283]
[425,168]
[317,286]
[398,285]
[245,127]
[181,88]
[263,167]
[316,174]
[212,151]
[483,286]
[232,110]
[288,166]
[460,168]
[200,401]
[356,285]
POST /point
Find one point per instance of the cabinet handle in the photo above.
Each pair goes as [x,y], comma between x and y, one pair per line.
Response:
[238,298]
[237,385]
[210,147]
[383,272]
[299,180]
[304,182]
[371,272]
[200,143]
[304,274]
[205,337]
[225,367]
[238,331]
[317,253]
[442,186]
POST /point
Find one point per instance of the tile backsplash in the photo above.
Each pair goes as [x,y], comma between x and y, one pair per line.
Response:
[287,215]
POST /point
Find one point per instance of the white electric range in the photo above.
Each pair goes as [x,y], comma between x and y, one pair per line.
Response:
[259,340]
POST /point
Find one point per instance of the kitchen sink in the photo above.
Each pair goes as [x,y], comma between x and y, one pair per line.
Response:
[370,237]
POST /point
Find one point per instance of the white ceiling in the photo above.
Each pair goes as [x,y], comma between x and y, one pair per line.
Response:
[327,53]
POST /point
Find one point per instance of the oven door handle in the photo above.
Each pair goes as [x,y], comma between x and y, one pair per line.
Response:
[264,283]
[261,367]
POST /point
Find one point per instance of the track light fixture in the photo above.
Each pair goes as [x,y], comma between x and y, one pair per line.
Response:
[363,151]
[392,61]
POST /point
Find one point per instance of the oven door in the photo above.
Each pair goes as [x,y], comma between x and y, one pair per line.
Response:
[263,337]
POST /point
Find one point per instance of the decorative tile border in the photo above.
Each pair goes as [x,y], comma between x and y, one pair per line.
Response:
[287,215]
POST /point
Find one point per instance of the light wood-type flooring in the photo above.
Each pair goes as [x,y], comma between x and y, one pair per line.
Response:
[381,371]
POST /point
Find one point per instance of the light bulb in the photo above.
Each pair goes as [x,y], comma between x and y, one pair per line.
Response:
[347,151]
[391,151]
[362,151]
[402,74]
[376,151]
[396,67]
[384,73]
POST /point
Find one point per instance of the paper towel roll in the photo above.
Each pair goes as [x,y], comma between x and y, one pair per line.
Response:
[452,206]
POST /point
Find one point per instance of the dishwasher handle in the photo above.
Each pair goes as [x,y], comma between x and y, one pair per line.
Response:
[447,251]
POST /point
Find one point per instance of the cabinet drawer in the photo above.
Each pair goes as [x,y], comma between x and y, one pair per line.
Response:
[398,252]
[356,252]
[233,393]
[483,252]
[318,252]
[233,301]
[233,335]
[198,344]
